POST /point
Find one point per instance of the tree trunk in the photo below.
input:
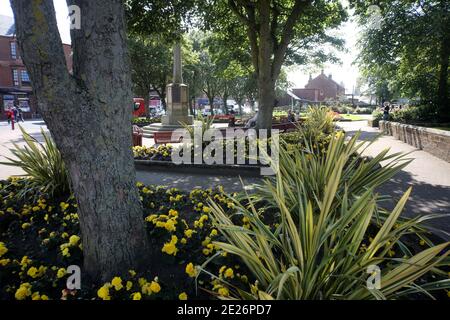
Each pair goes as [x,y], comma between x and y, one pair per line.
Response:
[89,116]
[225,107]
[266,83]
[266,104]
[211,104]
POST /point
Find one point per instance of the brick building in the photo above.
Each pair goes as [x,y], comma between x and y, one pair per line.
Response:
[15,85]
[320,89]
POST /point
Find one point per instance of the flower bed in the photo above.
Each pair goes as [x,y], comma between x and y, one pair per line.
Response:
[40,238]
[142,122]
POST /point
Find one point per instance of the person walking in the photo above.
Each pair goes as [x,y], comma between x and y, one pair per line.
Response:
[15,111]
[19,114]
[9,115]
[386,110]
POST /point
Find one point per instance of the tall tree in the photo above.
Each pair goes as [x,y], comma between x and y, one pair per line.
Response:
[408,47]
[274,32]
[89,114]
[151,65]
[280,31]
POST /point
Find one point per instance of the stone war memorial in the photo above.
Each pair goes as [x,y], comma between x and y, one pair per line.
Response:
[177,112]
[213,158]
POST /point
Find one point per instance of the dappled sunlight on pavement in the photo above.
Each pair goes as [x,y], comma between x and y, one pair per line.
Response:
[427,175]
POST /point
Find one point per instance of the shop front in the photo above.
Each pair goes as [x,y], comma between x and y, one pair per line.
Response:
[22,99]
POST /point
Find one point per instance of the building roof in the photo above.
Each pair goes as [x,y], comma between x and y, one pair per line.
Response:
[7,27]
[326,78]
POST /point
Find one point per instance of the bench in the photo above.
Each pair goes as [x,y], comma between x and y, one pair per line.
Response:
[163,137]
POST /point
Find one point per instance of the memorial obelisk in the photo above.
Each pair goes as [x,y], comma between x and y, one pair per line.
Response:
[177,95]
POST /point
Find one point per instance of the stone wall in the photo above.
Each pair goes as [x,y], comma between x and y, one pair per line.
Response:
[434,141]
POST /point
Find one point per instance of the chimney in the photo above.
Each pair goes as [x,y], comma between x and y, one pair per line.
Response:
[322,72]
[330,76]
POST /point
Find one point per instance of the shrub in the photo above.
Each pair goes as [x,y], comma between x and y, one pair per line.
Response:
[318,120]
[414,114]
[328,231]
[362,110]
[42,163]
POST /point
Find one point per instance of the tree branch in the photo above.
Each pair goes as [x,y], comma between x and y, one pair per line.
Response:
[288,33]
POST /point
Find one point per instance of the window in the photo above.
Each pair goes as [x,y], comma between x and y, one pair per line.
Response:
[15,75]
[25,78]
[13,47]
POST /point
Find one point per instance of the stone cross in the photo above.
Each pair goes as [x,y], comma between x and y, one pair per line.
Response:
[177,64]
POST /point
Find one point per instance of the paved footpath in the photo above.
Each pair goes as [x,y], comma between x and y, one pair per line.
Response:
[8,137]
[427,175]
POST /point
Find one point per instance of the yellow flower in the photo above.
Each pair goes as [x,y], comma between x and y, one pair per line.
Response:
[4,262]
[213,233]
[224,292]
[170,225]
[3,249]
[206,209]
[206,252]
[32,272]
[136,296]
[61,273]
[173,213]
[190,270]
[64,206]
[206,241]
[103,292]
[129,285]
[183,296]
[151,217]
[169,248]
[25,225]
[422,242]
[73,240]
[23,291]
[188,233]
[132,273]
[117,283]
[229,273]
[183,241]
[155,287]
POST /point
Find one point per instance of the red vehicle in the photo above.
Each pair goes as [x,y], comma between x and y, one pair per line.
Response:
[139,108]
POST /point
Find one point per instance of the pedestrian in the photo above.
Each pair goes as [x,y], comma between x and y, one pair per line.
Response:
[19,114]
[9,115]
[386,110]
[15,111]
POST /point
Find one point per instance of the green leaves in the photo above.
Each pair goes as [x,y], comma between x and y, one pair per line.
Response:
[327,232]
[42,163]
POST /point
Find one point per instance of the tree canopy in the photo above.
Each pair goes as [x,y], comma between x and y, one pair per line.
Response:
[408,51]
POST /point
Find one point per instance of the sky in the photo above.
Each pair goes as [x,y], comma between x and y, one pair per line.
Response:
[344,72]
